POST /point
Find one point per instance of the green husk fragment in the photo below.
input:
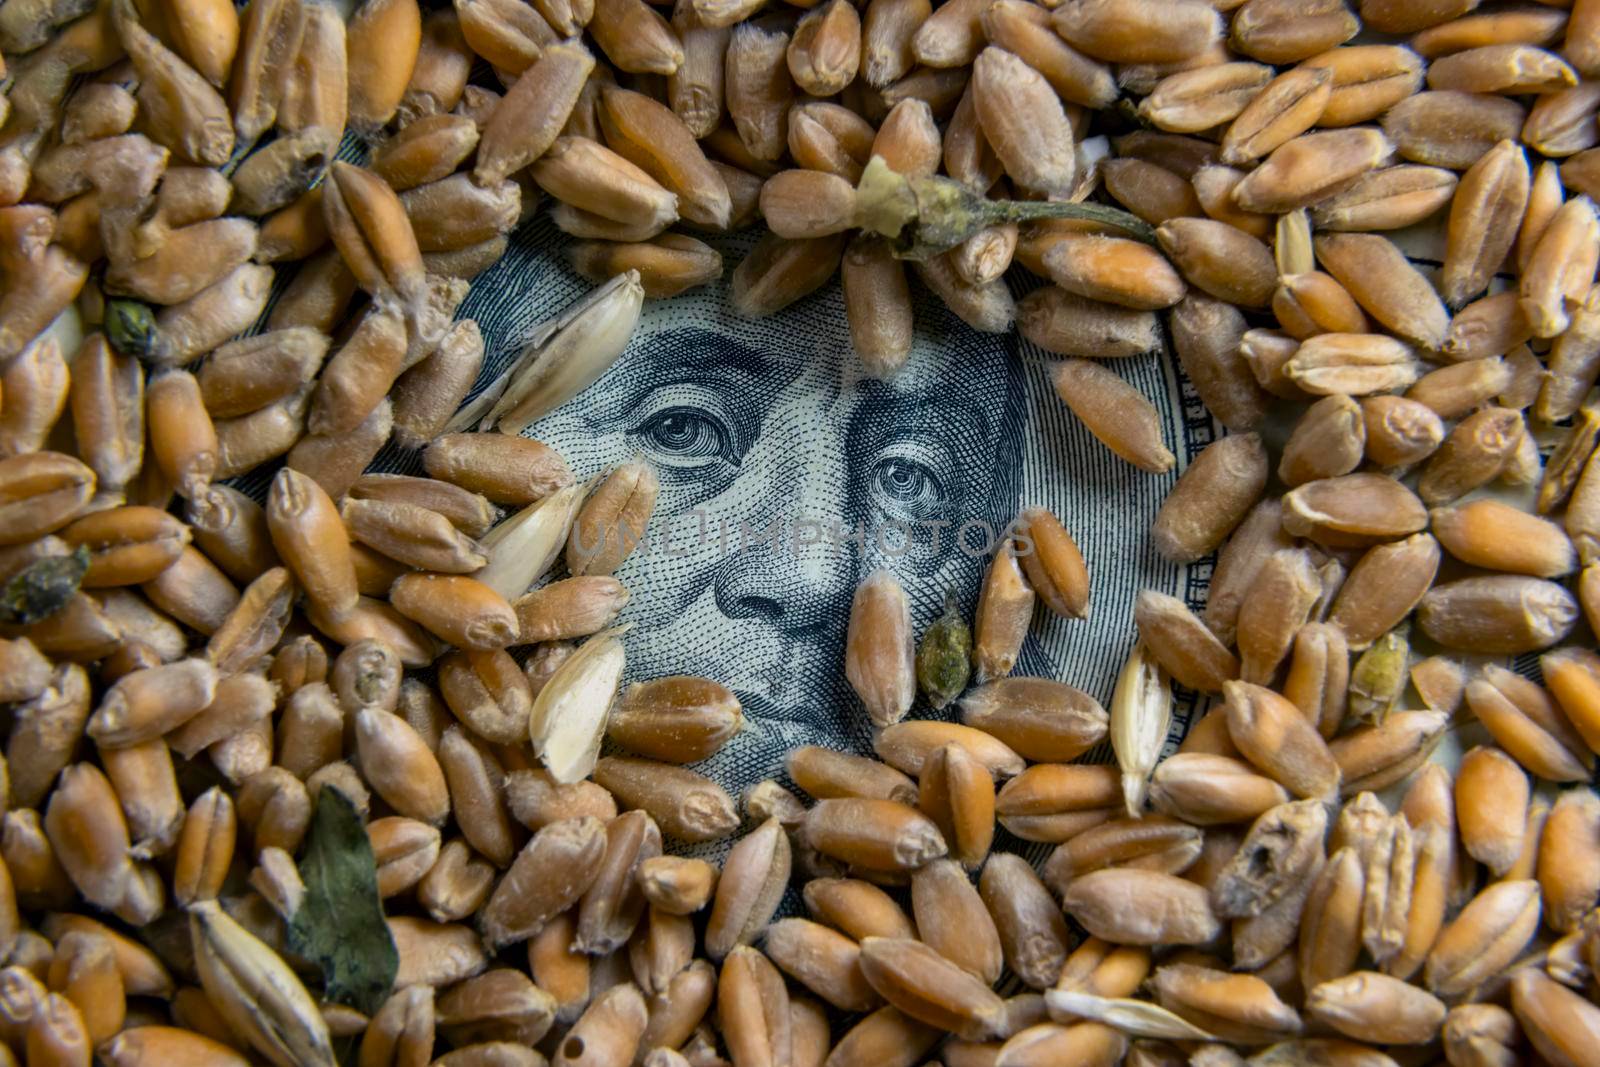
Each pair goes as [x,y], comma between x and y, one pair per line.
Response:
[340,926]
[923,217]
[43,587]
[1379,677]
[944,662]
[131,328]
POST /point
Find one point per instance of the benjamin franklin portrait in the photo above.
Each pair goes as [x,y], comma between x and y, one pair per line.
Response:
[773,449]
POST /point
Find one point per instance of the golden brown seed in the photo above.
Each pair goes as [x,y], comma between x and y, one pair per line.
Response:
[509,36]
[404,849]
[401,1030]
[1207,789]
[1374,757]
[426,150]
[1154,843]
[954,920]
[107,400]
[1488,933]
[35,386]
[1166,909]
[1267,353]
[526,122]
[475,780]
[127,545]
[877,835]
[1353,511]
[1400,432]
[244,376]
[1093,393]
[87,833]
[1115,270]
[858,908]
[753,1009]
[1137,34]
[1500,613]
[399,766]
[686,805]
[1484,214]
[695,89]
[1447,128]
[504,468]
[957,793]
[1568,871]
[1045,719]
[182,439]
[1153,193]
[1038,152]
[456,885]
[1383,587]
[987,308]
[384,41]
[879,652]
[920,982]
[777,272]
[436,954]
[1375,1007]
[537,800]
[1491,534]
[668,265]
[808,203]
[1220,259]
[1054,566]
[887,39]
[1455,390]
[611,907]
[1367,80]
[759,87]
[1274,735]
[749,888]
[1474,453]
[826,50]
[1491,794]
[1310,168]
[1209,337]
[1507,68]
[877,306]
[146,704]
[1190,101]
[825,962]
[1386,199]
[1327,442]
[309,536]
[675,884]
[1559,269]
[310,732]
[1559,1023]
[1212,496]
[1053,802]
[527,896]
[1385,284]
[825,774]
[1005,606]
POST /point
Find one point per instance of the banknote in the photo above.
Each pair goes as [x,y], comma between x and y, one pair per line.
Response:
[787,475]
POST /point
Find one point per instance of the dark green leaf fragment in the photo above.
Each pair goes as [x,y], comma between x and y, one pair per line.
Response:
[43,587]
[944,662]
[340,927]
[131,328]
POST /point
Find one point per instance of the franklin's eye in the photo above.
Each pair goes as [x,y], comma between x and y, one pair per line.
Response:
[908,487]
[687,434]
